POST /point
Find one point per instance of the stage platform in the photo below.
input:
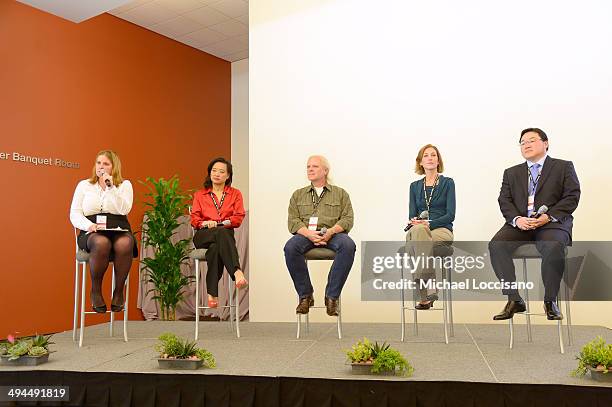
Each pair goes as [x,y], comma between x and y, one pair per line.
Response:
[267,366]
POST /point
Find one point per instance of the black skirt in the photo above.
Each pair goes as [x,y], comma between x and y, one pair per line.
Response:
[112,221]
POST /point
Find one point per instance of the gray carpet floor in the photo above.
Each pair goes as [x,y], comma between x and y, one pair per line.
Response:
[477,353]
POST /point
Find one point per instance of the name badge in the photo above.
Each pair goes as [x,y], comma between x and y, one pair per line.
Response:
[313,222]
[530,202]
[101,221]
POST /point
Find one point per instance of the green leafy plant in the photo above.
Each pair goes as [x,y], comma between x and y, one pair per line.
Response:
[596,354]
[390,360]
[382,357]
[361,352]
[173,347]
[15,348]
[166,203]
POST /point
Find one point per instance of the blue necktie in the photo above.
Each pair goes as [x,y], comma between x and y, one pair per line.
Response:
[535,171]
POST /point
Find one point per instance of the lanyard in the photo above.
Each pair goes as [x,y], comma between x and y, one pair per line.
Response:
[533,185]
[220,205]
[315,203]
[428,198]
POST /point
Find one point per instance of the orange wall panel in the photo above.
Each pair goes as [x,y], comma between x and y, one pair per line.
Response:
[67,91]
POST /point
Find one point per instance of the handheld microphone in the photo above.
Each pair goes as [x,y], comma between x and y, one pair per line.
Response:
[322,231]
[224,223]
[541,211]
[423,215]
[101,172]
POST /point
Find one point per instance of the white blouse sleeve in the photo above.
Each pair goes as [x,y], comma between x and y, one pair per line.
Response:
[77,217]
[120,198]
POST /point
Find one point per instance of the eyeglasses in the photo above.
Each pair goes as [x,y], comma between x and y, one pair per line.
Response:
[530,141]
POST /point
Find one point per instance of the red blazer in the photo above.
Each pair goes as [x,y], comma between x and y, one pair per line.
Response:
[203,207]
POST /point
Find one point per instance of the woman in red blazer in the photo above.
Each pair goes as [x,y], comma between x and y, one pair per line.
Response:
[217,210]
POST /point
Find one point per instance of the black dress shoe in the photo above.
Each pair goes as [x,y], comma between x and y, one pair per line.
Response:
[332,306]
[100,310]
[552,311]
[510,309]
[304,305]
[421,306]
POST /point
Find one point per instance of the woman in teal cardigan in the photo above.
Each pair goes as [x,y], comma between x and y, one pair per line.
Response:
[434,194]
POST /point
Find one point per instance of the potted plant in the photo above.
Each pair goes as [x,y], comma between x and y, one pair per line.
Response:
[27,351]
[368,358]
[178,353]
[165,205]
[596,357]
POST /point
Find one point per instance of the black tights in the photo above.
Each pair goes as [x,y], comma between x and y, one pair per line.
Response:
[100,246]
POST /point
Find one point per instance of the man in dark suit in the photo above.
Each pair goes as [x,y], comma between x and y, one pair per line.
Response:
[527,187]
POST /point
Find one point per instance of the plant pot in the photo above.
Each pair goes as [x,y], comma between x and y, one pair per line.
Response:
[180,364]
[600,376]
[366,369]
[24,360]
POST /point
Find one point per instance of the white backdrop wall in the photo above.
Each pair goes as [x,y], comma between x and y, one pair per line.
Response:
[367,84]
[240,127]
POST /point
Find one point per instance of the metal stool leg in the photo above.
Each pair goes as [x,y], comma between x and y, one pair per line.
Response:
[197,296]
[299,324]
[444,310]
[559,328]
[568,315]
[402,306]
[83,280]
[414,313]
[125,307]
[528,316]
[339,318]
[76,300]
[230,302]
[112,314]
[511,326]
[237,311]
[450,302]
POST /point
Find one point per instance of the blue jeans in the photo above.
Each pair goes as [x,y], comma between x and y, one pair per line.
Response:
[295,248]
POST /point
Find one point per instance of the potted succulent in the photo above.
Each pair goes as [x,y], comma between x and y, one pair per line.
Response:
[27,351]
[596,357]
[178,353]
[166,203]
[369,358]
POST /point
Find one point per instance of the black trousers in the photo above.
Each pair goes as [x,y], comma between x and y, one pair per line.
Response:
[221,253]
[551,244]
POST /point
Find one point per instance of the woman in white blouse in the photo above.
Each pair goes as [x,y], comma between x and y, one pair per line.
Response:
[100,204]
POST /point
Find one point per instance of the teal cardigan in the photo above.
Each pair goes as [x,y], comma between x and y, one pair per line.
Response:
[442,206]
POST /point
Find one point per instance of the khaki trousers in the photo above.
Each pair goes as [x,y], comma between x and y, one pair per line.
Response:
[420,241]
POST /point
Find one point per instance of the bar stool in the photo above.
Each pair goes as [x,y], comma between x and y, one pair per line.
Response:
[529,251]
[319,253]
[81,260]
[234,307]
[443,251]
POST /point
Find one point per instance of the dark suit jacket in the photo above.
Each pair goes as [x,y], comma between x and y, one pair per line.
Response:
[558,188]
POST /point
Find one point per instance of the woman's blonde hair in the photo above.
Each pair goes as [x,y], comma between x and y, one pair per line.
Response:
[418,168]
[115,161]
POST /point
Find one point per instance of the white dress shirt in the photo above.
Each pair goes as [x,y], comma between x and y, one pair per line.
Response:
[90,199]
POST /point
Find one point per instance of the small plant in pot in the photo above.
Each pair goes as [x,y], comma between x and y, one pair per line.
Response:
[373,358]
[26,351]
[596,357]
[178,353]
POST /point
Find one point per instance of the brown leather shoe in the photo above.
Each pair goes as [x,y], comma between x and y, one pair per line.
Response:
[332,306]
[304,305]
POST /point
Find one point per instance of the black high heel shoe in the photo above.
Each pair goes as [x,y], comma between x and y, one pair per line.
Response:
[100,309]
[420,306]
[116,308]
